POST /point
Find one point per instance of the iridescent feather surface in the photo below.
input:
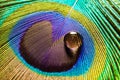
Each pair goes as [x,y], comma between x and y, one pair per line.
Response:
[60,40]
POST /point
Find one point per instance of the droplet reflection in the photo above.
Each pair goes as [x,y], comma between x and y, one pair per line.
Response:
[72,42]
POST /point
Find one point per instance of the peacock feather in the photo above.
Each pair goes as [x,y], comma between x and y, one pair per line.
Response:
[60,40]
